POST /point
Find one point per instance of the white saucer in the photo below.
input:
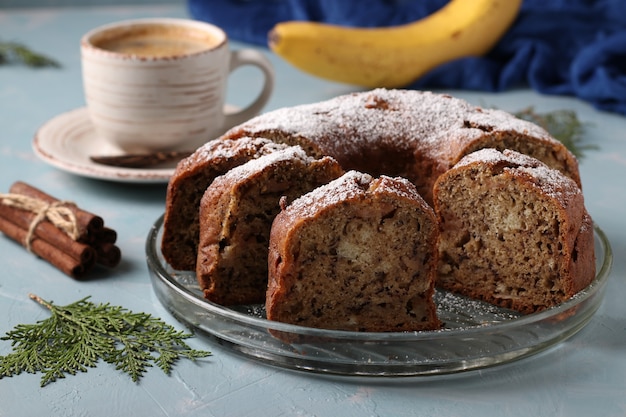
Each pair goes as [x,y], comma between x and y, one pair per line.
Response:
[68,140]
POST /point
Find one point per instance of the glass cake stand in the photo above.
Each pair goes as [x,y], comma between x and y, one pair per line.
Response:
[476,335]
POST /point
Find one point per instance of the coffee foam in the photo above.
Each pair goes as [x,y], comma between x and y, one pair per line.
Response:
[156,40]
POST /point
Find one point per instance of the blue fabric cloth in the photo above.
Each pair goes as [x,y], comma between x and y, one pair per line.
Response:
[563,47]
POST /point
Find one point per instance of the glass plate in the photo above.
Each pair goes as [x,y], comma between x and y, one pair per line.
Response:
[476,334]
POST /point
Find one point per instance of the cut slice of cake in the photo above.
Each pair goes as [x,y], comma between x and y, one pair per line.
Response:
[513,232]
[190,180]
[357,254]
[236,214]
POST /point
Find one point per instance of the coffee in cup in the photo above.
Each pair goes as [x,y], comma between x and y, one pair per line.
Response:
[156,40]
[160,84]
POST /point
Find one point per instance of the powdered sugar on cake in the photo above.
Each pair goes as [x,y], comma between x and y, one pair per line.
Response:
[292,153]
[347,187]
[551,181]
[350,186]
[221,150]
[396,116]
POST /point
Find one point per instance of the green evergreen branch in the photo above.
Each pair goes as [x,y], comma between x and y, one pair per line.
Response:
[76,336]
[13,52]
[563,125]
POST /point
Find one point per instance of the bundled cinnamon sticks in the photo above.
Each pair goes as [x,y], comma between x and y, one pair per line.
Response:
[71,239]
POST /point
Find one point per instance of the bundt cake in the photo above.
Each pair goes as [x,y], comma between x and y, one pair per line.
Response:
[356,254]
[192,176]
[413,134]
[512,225]
[235,217]
[513,232]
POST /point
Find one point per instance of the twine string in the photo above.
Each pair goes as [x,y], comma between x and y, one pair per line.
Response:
[57,213]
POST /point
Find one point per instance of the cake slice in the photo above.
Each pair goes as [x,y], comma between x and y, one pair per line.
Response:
[513,232]
[191,178]
[236,214]
[357,254]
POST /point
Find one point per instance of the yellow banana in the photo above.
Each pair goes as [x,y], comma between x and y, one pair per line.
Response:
[394,56]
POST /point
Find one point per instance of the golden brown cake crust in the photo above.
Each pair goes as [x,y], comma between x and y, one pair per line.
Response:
[189,181]
[356,254]
[236,214]
[513,232]
[414,134]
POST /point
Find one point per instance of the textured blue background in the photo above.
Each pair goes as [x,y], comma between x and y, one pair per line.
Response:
[584,376]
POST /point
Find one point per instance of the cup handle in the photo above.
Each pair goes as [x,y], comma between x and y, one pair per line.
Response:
[240,58]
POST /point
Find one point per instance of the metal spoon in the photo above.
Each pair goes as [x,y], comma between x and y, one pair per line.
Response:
[140,160]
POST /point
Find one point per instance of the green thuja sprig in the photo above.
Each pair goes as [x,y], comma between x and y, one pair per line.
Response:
[13,52]
[563,125]
[76,336]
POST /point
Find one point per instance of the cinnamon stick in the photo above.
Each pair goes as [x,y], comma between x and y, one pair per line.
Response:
[49,233]
[108,255]
[105,235]
[88,223]
[64,262]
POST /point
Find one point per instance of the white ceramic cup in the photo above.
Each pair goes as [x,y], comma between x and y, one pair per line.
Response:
[160,84]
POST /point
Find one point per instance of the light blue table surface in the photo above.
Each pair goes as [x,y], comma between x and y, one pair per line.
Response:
[584,376]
